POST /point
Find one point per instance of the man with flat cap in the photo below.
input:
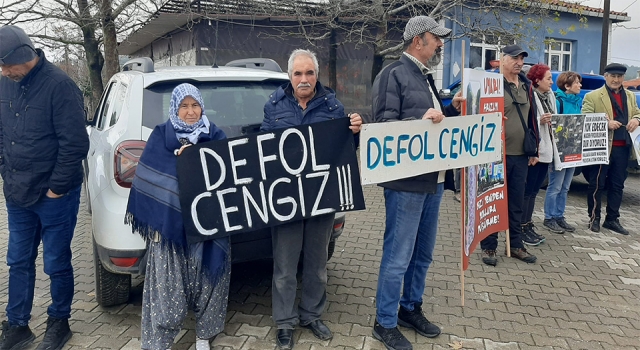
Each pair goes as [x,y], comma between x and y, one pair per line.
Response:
[520,118]
[405,90]
[42,143]
[624,116]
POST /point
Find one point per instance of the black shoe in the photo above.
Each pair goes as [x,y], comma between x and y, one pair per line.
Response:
[594,225]
[15,337]
[319,329]
[392,338]
[528,238]
[522,254]
[489,257]
[56,335]
[614,225]
[563,223]
[553,226]
[284,339]
[532,231]
[415,319]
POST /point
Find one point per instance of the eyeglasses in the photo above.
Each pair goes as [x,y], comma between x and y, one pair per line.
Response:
[10,52]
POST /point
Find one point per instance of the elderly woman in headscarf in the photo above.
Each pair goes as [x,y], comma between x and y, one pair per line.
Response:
[179,275]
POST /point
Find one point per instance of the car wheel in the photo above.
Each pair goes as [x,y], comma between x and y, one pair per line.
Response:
[332,248]
[111,288]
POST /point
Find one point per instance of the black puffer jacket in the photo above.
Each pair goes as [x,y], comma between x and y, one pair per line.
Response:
[43,139]
[401,92]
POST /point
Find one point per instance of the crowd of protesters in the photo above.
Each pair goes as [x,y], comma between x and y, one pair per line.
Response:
[181,275]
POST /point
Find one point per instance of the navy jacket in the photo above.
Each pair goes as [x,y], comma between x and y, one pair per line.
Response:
[401,92]
[282,109]
[43,139]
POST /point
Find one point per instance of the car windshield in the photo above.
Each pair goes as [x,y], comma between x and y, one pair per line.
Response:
[235,107]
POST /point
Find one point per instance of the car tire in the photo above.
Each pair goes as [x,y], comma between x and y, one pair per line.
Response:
[111,288]
[332,248]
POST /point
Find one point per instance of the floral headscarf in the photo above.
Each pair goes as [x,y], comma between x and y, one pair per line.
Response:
[184,130]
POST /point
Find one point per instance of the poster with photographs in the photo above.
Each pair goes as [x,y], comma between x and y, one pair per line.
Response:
[580,139]
[483,188]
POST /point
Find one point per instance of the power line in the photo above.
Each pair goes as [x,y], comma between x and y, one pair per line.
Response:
[626,59]
[628,6]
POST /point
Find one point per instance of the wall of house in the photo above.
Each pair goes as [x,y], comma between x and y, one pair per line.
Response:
[585,40]
[218,42]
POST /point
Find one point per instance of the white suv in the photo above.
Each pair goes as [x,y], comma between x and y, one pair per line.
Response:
[134,102]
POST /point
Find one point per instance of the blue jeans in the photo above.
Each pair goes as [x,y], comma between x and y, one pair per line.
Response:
[53,222]
[557,192]
[407,251]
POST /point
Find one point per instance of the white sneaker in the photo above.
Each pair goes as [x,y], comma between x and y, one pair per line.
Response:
[202,344]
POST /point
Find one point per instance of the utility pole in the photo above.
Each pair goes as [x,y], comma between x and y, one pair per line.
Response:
[604,49]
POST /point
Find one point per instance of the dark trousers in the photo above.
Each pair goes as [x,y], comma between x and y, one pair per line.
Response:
[612,176]
[311,237]
[535,177]
[516,169]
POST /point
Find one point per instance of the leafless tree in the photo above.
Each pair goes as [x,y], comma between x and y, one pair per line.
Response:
[93,25]
[379,23]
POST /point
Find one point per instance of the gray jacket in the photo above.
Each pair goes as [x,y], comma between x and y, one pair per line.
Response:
[401,92]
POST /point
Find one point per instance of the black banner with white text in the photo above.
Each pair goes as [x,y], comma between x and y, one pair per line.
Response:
[267,179]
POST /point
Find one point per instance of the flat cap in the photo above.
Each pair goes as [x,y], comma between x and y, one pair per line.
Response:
[615,68]
[15,46]
[422,24]
[514,51]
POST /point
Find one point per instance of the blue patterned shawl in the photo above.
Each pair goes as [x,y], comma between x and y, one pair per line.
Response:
[154,205]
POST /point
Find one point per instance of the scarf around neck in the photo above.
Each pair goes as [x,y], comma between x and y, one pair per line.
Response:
[153,209]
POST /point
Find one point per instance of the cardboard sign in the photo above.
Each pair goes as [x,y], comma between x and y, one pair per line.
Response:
[267,179]
[485,207]
[397,150]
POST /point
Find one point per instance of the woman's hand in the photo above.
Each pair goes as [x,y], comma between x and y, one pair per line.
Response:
[533,161]
[545,119]
[179,151]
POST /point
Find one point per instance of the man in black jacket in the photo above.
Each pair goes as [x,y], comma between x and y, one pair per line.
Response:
[42,143]
[405,90]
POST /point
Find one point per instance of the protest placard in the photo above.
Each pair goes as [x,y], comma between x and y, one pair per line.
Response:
[580,139]
[267,179]
[484,192]
[392,151]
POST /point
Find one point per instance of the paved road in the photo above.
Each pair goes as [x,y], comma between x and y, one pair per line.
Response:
[582,294]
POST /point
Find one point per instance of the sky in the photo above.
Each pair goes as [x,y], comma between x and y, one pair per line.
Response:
[629,32]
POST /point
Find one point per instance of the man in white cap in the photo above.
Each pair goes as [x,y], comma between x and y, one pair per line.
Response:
[405,90]
[42,144]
